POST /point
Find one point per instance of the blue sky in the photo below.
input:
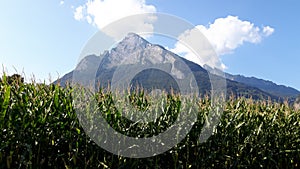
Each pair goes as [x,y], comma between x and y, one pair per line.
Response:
[46,37]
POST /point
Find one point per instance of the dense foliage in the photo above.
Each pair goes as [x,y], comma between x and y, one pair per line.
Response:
[39,128]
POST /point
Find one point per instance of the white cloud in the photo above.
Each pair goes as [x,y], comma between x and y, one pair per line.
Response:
[203,55]
[61,2]
[268,30]
[103,12]
[225,35]
[78,15]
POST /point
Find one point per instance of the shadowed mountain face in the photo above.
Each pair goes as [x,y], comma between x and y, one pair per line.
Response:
[153,67]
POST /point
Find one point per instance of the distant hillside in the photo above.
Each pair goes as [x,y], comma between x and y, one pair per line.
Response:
[267,86]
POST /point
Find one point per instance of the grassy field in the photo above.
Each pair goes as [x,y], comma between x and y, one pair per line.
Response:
[39,128]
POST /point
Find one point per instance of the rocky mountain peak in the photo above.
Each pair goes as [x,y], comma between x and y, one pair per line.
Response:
[134,49]
[132,42]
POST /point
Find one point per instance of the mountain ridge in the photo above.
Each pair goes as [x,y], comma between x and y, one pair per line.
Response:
[265,85]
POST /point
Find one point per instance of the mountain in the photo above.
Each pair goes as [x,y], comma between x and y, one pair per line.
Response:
[265,85]
[133,53]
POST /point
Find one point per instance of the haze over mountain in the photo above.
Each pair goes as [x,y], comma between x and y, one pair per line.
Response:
[136,52]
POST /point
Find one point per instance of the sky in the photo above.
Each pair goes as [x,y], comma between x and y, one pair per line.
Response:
[251,37]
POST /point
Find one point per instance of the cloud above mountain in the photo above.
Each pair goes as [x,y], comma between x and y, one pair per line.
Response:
[103,12]
[225,35]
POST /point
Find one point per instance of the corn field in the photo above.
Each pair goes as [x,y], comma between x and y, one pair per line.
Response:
[39,129]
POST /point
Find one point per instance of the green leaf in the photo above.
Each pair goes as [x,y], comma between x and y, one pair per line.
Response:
[56,101]
[78,130]
[5,103]
[238,126]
